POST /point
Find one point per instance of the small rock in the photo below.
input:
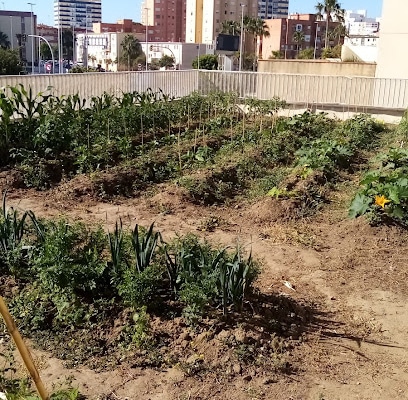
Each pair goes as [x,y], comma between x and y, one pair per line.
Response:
[332,298]
[268,381]
[223,335]
[185,336]
[240,336]
[237,368]
[184,344]
[247,378]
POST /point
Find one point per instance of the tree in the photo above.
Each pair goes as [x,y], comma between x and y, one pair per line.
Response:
[277,55]
[340,32]
[92,58]
[261,30]
[207,61]
[257,28]
[299,38]
[332,52]
[230,27]
[4,42]
[329,8]
[46,52]
[9,62]
[306,54]
[132,49]
[167,61]
[108,62]
[67,44]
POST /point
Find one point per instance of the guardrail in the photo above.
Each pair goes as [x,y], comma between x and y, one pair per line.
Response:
[301,89]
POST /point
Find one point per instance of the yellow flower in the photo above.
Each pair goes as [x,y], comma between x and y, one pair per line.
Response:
[381,201]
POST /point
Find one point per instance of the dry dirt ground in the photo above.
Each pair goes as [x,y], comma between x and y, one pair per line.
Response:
[354,275]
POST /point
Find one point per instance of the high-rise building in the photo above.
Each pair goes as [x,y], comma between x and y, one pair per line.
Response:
[204,18]
[168,19]
[268,9]
[17,25]
[77,13]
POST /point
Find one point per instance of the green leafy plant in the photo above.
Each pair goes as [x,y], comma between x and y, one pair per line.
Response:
[384,193]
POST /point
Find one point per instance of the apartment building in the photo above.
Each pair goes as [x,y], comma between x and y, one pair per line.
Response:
[167,17]
[204,18]
[77,13]
[183,53]
[17,25]
[122,25]
[282,35]
[268,9]
[357,23]
[100,48]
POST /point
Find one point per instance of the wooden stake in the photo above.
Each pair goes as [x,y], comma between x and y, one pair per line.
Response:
[23,350]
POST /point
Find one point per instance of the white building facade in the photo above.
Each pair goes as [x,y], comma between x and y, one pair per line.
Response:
[183,53]
[77,13]
[357,23]
[106,50]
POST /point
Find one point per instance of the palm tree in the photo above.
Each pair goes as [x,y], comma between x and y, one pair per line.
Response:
[68,44]
[132,49]
[4,42]
[261,30]
[230,27]
[340,31]
[299,38]
[329,8]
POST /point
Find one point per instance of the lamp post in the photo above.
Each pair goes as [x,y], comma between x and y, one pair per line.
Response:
[315,43]
[33,39]
[11,33]
[48,43]
[241,38]
[147,37]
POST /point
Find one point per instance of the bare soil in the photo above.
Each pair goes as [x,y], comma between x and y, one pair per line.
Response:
[347,310]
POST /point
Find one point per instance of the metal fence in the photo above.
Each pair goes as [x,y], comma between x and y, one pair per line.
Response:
[300,89]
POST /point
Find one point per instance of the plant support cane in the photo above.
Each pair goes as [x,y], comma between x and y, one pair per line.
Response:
[23,350]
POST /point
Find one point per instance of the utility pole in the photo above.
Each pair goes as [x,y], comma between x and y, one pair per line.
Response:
[32,38]
[241,38]
[147,37]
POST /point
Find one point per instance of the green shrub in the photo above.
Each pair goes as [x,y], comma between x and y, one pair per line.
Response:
[324,154]
[384,193]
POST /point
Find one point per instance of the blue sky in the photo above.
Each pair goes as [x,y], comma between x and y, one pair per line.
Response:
[113,10]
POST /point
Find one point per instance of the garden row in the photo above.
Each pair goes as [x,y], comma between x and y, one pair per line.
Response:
[69,275]
[215,146]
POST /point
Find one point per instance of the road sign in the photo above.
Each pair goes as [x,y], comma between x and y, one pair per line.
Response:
[48,67]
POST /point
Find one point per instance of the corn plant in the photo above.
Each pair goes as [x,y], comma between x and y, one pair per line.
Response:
[235,278]
[12,228]
[144,247]
[26,104]
[115,241]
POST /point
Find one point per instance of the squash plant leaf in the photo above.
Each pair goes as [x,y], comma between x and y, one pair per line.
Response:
[359,205]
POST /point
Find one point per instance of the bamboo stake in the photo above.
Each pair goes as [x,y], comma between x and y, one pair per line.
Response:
[23,350]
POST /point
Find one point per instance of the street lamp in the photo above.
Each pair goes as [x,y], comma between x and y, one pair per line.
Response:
[315,43]
[147,37]
[48,43]
[11,32]
[33,39]
[241,38]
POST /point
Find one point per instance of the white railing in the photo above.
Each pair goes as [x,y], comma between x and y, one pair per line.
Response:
[300,89]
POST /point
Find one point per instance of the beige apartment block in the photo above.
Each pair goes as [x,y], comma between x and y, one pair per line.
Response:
[392,55]
[204,18]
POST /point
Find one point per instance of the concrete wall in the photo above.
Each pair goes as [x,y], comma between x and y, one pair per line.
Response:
[311,67]
[392,54]
[360,53]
